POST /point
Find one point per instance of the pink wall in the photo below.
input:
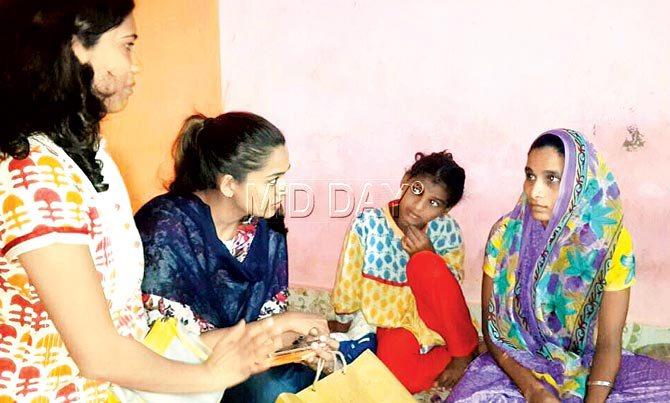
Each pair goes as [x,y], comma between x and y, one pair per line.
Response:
[359,86]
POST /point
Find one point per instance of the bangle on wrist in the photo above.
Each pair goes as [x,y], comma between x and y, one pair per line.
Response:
[606,384]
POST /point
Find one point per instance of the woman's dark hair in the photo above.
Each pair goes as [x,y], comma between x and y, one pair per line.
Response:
[44,89]
[234,143]
[444,170]
[549,140]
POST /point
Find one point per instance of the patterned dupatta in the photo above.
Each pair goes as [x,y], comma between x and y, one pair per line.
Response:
[185,261]
[549,282]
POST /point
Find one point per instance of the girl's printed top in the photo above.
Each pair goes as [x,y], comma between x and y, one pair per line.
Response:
[372,276]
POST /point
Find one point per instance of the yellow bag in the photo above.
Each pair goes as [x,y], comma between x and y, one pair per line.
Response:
[169,339]
[366,380]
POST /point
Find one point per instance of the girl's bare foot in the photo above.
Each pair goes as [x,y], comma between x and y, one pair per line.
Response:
[453,372]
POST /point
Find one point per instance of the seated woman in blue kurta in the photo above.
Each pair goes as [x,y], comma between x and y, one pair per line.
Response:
[215,243]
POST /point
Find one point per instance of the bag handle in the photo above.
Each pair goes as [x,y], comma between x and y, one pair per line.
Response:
[320,365]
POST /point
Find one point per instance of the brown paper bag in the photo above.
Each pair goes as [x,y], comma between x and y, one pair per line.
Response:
[366,380]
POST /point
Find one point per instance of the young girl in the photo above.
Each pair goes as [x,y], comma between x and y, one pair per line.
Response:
[399,272]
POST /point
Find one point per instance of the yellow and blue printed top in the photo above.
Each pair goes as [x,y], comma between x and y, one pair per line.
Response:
[372,271]
[621,274]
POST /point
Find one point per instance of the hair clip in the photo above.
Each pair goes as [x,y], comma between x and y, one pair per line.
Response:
[417,187]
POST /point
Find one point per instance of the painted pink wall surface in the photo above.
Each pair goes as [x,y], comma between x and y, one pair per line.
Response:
[359,86]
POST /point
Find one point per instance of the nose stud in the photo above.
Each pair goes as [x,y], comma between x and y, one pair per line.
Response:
[417,188]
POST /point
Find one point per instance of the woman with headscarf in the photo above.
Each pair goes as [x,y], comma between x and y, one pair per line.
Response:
[557,277]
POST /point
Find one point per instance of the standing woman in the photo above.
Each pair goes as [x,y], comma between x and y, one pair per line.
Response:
[212,242]
[71,314]
[557,277]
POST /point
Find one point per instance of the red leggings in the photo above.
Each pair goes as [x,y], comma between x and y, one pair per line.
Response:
[442,307]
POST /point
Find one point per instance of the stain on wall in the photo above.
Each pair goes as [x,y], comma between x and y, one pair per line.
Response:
[635,139]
